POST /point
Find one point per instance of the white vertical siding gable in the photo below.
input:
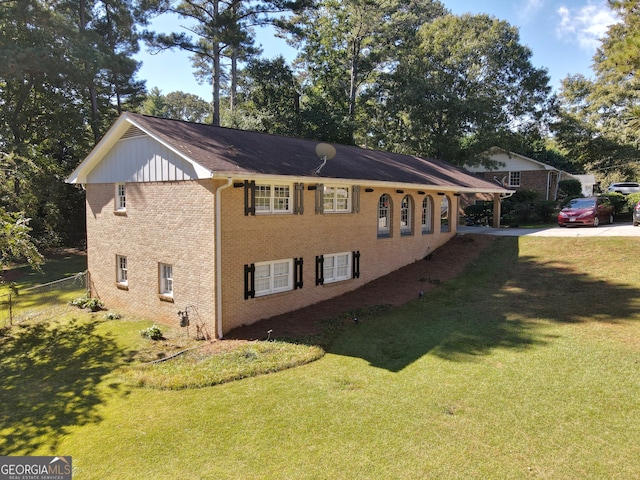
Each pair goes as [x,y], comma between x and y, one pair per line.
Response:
[141,158]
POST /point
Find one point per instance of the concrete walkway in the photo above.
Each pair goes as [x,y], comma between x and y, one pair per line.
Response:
[615,230]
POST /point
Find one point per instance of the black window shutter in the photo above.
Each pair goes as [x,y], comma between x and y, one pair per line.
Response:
[356,264]
[298,198]
[355,201]
[319,198]
[249,281]
[249,197]
[297,273]
[320,270]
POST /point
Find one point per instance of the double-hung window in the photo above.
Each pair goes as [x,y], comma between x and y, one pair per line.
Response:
[337,267]
[273,198]
[336,199]
[273,277]
[121,197]
[121,270]
[165,272]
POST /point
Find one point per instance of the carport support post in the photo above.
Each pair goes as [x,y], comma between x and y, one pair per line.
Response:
[496,210]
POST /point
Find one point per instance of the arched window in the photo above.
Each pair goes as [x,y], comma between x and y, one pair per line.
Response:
[384,216]
[427,214]
[406,216]
[445,215]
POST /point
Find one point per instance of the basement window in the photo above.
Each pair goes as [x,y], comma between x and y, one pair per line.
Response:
[165,280]
[122,279]
[273,277]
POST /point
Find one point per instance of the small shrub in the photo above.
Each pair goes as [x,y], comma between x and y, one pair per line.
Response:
[93,304]
[79,302]
[618,201]
[112,316]
[153,333]
[570,188]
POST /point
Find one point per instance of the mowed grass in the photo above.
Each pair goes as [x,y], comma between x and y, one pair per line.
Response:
[525,366]
[28,302]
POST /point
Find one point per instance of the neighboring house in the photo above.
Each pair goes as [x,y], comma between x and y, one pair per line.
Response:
[233,226]
[517,172]
[589,184]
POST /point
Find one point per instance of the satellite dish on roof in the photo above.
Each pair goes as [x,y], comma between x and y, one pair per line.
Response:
[325,151]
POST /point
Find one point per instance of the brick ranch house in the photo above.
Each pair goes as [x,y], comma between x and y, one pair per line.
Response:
[517,172]
[234,226]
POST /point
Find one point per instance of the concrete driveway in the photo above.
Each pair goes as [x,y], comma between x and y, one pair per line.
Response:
[614,230]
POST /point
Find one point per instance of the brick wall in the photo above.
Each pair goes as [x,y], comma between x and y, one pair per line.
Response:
[173,222]
[260,238]
[529,180]
[170,222]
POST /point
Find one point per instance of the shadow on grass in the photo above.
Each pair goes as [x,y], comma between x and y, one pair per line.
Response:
[500,301]
[49,381]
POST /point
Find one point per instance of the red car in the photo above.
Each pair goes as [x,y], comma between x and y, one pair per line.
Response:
[586,211]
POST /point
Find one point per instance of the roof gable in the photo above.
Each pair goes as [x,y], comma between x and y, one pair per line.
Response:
[205,150]
[511,162]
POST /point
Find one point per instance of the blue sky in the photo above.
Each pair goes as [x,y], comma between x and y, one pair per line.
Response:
[563,36]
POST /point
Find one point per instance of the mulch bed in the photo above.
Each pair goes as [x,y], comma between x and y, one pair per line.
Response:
[396,288]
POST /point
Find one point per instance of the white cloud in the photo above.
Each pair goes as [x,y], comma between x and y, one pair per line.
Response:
[528,10]
[585,25]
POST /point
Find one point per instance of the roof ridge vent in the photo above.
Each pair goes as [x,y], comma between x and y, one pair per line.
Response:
[133,131]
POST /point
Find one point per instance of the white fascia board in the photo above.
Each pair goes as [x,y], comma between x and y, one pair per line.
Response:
[364,183]
[113,135]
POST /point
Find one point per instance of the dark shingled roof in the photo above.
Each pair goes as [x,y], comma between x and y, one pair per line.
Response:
[224,150]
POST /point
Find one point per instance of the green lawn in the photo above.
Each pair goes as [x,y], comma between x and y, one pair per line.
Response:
[23,287]
[525,366]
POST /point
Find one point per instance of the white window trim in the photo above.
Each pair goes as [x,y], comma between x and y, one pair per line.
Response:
[386,230]
[120,197]
[427,214]
[122,273]
[330,193]
[271,289]
[333,276]
[165,282]
[271,210]
[445,220]
[406,214]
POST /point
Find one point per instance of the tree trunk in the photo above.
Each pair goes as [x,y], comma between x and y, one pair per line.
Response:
[215,119]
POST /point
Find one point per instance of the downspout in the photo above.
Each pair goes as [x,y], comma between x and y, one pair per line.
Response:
[548,184]
[219,259]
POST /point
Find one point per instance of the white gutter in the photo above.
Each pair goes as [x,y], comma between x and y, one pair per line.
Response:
[367,183]
[219,258]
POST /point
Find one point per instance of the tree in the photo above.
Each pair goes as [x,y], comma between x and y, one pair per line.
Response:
[155,104]
[599,122]
[270,94]
[187,107]
[15,241]
[219,28]
[465,87]
[344,46]
[59,91]
[176,105]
